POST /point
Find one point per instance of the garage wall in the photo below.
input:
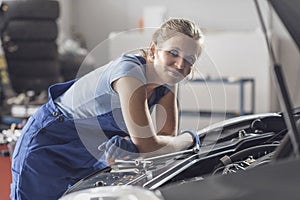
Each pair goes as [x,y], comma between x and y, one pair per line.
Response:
[96,19]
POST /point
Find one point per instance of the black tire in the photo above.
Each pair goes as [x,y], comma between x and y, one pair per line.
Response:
[16,50]
[34,68]
[28,40]
[23,84]
[69,74]
[70,65]
[31,30]
[32,9]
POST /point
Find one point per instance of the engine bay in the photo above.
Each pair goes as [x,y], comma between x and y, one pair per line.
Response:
[234,145]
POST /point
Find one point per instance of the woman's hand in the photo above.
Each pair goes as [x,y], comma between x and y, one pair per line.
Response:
[119,148]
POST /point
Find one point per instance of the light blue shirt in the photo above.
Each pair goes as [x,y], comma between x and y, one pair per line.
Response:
[92,95]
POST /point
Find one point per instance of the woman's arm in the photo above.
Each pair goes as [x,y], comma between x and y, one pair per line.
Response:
[167,114]
[138,120]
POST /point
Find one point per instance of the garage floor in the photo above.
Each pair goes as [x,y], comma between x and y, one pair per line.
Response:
[5,175]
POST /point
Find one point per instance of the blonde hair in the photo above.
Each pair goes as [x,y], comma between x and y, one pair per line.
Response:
[177,25]
[172,27]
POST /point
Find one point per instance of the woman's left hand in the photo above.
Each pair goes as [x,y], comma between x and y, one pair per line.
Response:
[119,148]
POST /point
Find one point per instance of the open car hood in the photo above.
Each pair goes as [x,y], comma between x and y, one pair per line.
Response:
[288,12]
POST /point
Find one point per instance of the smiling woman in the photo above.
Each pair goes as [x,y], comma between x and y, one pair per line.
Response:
[176,56]
[106,115]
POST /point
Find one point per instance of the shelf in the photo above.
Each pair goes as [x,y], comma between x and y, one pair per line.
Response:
[241,82]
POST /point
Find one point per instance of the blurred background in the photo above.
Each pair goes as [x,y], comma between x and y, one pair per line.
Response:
[44,42]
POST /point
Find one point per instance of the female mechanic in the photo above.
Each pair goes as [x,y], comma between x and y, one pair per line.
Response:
[106,114]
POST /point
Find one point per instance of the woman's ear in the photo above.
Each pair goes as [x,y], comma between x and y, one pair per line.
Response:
[152,51]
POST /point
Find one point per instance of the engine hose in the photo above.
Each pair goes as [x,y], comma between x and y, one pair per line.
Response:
[245,153]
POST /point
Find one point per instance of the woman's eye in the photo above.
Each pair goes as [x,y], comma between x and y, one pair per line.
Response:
[190,60]
[174,53]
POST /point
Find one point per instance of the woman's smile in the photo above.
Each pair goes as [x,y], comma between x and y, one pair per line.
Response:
[173,72]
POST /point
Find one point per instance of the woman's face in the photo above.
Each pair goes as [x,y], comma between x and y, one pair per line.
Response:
[174,58]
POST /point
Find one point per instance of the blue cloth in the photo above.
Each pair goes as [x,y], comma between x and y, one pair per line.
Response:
[196,138]
[56,150]
[49,155]
[93,95]
[119,148]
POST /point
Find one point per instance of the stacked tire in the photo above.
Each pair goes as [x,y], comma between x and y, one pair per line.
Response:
[29,33]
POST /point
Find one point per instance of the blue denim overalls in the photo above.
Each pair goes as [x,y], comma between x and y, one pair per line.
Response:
[54,152]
